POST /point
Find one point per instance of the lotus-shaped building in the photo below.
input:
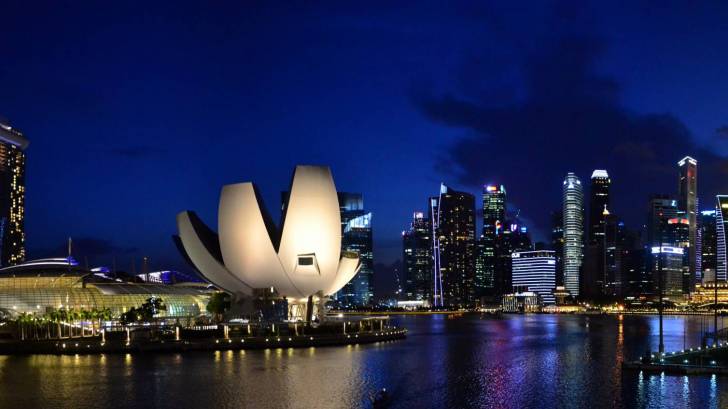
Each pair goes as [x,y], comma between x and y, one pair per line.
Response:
[299,260]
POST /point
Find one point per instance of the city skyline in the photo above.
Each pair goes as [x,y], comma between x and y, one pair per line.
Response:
[115,159]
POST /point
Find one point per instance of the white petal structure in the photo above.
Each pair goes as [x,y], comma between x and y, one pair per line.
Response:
[301,259]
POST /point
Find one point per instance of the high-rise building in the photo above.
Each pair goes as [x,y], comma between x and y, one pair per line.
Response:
[598,205]
[454,218]
[668,264]
[721,223]
[494,214]
[661,209]
[708,238]
[688,202]
[514,238]
[676,233]
[12,195]
[557,244]
[595,267]
[535,271]
[417,259]
[573,219]
[356,236]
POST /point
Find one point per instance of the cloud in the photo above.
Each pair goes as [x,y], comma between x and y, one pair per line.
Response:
[570,118]
[722,132]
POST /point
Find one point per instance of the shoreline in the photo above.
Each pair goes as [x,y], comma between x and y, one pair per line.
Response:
[94,345]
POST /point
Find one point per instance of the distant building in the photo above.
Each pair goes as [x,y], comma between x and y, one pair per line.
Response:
[557,243]
[661,209]
[668,265]
[721,213]
[417,259]
[535,271]
[521,302]
[12,195]
[573,222]
[688,202]
[453,213]
[494,215]
[676,232]
[357,237]
[598,203]
[596,259]
[707,236]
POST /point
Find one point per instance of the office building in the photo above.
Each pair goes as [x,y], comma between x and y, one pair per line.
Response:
[417,259]
[12,195]
[494,214]
[535,271]
[356,236]
[721,223]
[557,243]
[453,215]
[573,225]
[688,203]
[598,205]
[707,237]
[668,266]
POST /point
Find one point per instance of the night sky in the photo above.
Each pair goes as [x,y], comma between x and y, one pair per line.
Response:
[137,111]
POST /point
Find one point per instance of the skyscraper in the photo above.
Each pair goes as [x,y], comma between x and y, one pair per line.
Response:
[721,223]
[661,209]
[12,195]
[594,277]
[417,259]
[455,244]
[557,243]
[356,235]
[514,238]
[573,209]
[598,203]
[708,236]
[688,202]
[535,271]
[494,214]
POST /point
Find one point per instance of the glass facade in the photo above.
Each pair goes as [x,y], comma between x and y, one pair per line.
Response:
[356,236]
[535,271]
[12,196]
[417,259]
[41,294]
[456,246]
[573,225]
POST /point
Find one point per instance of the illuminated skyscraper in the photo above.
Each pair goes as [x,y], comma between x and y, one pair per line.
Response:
[721,222]
[573,209]
[708,239]
[688,202]
[494,214]
[417,259]
[535,271]
[356,236]
[598,203]
[12,195]
[453,215]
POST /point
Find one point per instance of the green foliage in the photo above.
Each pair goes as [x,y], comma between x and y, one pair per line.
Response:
[219,303]
[143,313]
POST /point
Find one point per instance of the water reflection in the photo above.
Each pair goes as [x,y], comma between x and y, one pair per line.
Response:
[546,361]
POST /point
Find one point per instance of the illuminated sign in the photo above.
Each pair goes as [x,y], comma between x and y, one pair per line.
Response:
[667,249]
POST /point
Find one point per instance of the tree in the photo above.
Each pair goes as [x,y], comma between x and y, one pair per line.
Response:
[145,312]
[218,305]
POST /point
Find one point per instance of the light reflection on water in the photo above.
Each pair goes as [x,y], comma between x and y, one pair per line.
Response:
[517,361]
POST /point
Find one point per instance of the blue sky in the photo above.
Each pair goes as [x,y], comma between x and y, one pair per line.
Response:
[136,111]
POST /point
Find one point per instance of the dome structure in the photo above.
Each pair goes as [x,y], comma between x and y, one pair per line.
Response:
[299,259]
